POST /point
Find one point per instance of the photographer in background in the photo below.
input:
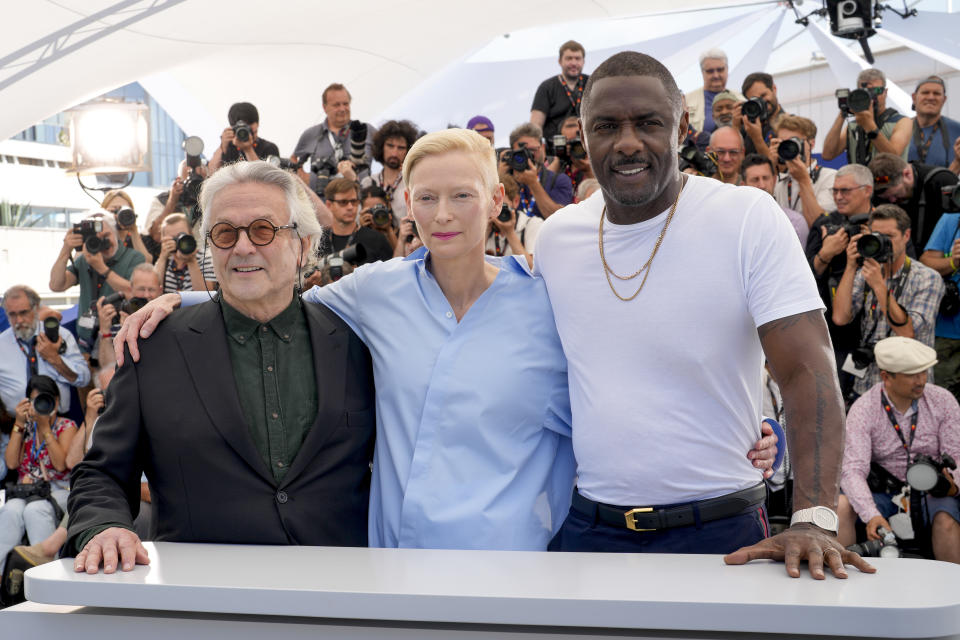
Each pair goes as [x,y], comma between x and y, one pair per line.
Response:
[338,147]
[715,71]
[898,295]
[103,267]
[240,141]
[182,266]
[759,115]
[559,96]
[874,129]
[26,350]
[509,234]
[724,107]
[917,188]
[542,192]
[145,285]
[571,157]
[936,138]
[757,171]
[941,255]
[390,146]
[37,450]
[375,213]
[898,419]
[826,250]
[482,125]
[804,185]
[343,199]
[120,205]
[726,145]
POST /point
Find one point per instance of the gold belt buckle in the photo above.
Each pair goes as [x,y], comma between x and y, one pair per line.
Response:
[631,522]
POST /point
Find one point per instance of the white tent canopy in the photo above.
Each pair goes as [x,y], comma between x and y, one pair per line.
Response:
[431,61]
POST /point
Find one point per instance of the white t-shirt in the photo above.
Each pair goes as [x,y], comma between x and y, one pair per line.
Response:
[666,389]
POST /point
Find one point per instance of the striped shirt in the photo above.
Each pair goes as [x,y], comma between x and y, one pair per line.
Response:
[179,279]
[871,437]
[919,297]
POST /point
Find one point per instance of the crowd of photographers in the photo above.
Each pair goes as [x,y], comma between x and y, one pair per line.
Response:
[879,234]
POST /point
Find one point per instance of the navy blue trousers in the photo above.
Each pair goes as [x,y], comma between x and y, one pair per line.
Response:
[726,535]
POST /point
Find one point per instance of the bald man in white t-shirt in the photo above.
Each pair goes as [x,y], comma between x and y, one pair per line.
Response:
[668,292]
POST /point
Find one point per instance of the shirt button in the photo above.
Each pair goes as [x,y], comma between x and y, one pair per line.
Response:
[240,338]
[286,336]
[264,329]
[275,416]
[280,464]
[270,368]
[449,314]
[282,497]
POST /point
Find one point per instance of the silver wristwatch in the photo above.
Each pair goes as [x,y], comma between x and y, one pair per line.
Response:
[822,517]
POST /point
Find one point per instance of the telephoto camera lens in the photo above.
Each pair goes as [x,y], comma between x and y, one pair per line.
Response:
[754,109]
[242,131]
[44,403]
[876,246]
[859,100]
[51,329]
[381,215]
[505,214]
[126,217]
[790,149]
[186,243]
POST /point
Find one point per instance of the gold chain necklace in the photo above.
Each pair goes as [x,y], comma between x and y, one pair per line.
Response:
[645,269]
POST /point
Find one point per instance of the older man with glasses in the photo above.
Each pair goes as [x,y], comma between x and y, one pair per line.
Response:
[252,417]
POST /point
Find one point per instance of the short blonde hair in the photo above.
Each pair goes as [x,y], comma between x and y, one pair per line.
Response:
[113,195]
[447,141]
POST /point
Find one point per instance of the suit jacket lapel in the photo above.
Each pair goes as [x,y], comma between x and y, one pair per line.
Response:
[204,347]
[330,370]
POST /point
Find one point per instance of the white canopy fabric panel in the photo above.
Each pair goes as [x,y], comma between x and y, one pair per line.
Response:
[199,56]
[934,34]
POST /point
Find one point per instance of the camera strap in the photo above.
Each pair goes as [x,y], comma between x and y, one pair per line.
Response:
[814,172]
[888,409]
[337,145]
[181,275]
[923,144]
[894,291]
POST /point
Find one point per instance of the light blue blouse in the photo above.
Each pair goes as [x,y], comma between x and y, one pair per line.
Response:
[473,443]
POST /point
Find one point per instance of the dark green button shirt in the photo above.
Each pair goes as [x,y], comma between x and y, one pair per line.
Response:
[273,367]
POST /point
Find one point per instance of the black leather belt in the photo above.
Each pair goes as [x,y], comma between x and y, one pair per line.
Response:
[681,515]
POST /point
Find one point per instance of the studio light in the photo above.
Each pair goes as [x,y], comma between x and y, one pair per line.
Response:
[110,137]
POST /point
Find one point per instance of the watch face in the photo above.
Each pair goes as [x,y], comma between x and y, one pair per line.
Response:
[825,518]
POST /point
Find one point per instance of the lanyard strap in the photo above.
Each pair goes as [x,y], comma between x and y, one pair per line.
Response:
[578,90]
[888,409]
[180,274]
[389,189]
[901,283]
[336,144]
[923,144]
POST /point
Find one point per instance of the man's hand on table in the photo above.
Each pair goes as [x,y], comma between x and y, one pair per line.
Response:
[803,541]
[109,546]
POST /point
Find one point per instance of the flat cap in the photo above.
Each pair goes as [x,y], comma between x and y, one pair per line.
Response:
[903,355]
[726,95]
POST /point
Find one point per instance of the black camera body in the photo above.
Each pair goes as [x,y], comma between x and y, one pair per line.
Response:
[381,215]
[951,198]
[790,149]
[692,158]
[876,246]
[885,547]
[355,255]
[505,213]
[284,163]
[519,160]
[89,229]
[186,244]
[854,101]
[325,169]
[242,131]
[926,474]
[863,356]
[851,225]
[755,109]
[566,150]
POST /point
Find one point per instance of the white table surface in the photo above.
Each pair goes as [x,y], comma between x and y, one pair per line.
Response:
[906,598]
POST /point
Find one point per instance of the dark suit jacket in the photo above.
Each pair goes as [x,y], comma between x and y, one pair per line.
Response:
[176,415]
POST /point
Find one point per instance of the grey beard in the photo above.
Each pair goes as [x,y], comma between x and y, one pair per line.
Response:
[24,335]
